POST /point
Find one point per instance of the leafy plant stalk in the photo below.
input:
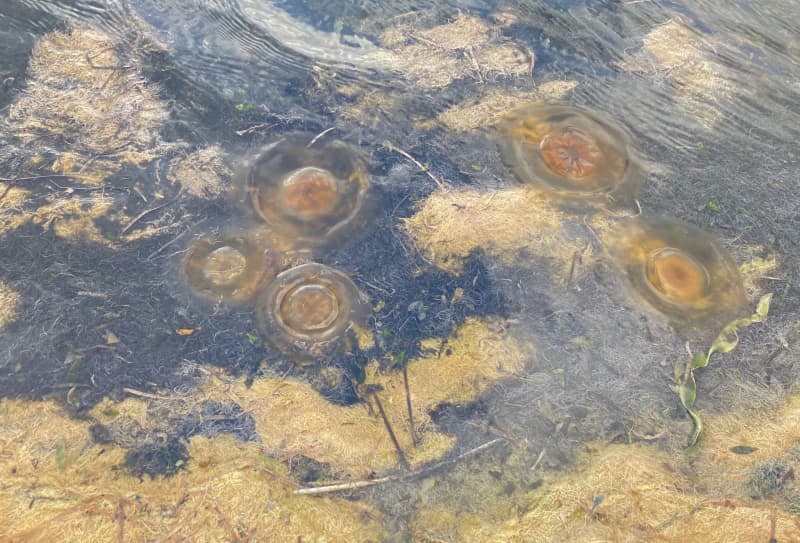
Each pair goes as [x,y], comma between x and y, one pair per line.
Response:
[726,341]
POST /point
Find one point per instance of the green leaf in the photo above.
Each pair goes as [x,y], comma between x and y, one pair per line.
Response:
[688,391]
[729,337]
[698,427]
[699,361]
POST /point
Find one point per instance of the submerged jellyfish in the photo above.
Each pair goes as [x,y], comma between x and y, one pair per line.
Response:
[571,152]
[306,310]
[228,267]
[678,269]
[308,193]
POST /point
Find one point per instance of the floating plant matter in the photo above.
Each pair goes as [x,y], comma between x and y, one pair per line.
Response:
[309,193]
[678,269]
[306,310]
[228,268]
[571,152]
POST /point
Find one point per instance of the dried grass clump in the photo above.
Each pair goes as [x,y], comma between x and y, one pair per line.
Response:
[450,225]
[83,103]
[463,47]
[9,301]
[489,109]
[71,217]
[680,54]
[11,216]
[58,485]
[202,173]
[767,435]
[624,493]
[293,419]
[476,356]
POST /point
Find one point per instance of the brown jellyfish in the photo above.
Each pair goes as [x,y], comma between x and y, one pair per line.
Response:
[307,310]
[229,267]
[571,152]
[678,269]
[308,193]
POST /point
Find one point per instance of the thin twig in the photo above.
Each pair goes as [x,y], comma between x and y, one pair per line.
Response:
[343,486]
[148,211]
[318,136]
[134,392]
[408,405]
[406,477]
[389,145]
[400,454]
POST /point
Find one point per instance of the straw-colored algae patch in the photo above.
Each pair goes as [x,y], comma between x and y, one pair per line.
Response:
[474,357]
[684,57]
[9,302]
[11,215]
[625,493]
[487,110]
[86,105]
[738,485]
[202,173]
[450,225]
[293,419]
[436,56]
[58,485]
[736,443]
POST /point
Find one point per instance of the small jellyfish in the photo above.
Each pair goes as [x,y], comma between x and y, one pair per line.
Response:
[307,193]
[678,269]
[228,267]
[571,152]
[307,310]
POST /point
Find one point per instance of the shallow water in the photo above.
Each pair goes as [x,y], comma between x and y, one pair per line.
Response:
[497,317]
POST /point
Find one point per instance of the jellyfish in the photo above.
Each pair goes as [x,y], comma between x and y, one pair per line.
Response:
[571,152]
[307,310]
[229,267]
[307,193]
[679,270]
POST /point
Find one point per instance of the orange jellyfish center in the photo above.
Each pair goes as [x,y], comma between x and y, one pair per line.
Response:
[224,266]
[570,154]
[309,308]
[677,276]
[309,192]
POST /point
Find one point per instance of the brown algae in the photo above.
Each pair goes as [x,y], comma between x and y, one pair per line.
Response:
[228,267]
[570,152]
[677,269]
[307,309]
[308,193]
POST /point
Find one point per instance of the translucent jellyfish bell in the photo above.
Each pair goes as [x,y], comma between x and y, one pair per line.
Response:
[228,267]
[308,193]
[571,152]
[306,310]
[678,269]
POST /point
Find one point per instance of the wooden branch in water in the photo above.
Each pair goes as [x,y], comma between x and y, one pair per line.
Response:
[355,485]
[148,211]
[408,405]
[417,163]
[400,454]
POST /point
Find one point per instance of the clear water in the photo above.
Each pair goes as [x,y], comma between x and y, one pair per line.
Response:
[710,92]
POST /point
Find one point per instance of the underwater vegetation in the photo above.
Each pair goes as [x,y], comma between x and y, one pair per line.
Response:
[333,401]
